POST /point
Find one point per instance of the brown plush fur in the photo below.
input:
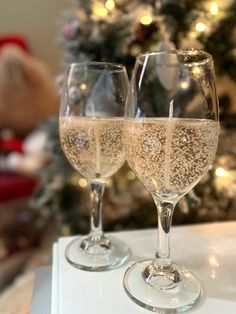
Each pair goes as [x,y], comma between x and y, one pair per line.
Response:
[27,93]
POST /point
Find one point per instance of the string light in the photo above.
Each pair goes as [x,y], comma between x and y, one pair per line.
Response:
[83,183]
[145,15]
[100,11]
[221,172]
[130,175]
[83,86]
[200,27]
[146,20]
[214,8]
[110,5]
[184,85]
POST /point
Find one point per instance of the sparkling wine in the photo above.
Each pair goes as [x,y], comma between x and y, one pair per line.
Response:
[170,155]
[94,146]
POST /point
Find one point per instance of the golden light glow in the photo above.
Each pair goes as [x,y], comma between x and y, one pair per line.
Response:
[214,8]
[130,175]
[100,11]
[83,86]
[221,172]
[200,27]
[196,71]
[110,4]
[83,183]
[184,84]
[146,20]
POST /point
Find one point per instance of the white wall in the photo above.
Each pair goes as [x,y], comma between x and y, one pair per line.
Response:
[40,21]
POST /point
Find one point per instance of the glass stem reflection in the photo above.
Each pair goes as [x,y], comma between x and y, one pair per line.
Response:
[97,190]
[161,273]
[165,213]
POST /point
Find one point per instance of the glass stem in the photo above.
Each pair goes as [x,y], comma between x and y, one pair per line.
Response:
[161,273]
[165,214]
[96,242]
[97,190]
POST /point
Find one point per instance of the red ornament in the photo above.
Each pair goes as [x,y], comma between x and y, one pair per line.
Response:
[11,145]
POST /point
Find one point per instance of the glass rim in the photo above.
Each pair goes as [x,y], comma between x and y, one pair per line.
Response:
[109,66]
[207,57]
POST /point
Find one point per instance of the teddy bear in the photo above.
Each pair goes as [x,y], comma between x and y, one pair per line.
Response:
[27,91]
[28,95]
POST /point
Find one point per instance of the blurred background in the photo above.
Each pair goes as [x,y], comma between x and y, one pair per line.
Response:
[41,196]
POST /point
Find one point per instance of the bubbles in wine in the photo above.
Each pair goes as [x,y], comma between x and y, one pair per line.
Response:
[94,146]
[170,155]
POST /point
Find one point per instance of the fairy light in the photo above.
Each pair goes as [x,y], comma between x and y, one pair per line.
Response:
[83,86]
[184,85]
[221,172]
[110,5]
[130,175]
[100,11]
[146,20]
[83,183]
[200,27]
[214,8]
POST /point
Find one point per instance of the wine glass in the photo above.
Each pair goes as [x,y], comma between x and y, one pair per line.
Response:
[91,134]
[171,136]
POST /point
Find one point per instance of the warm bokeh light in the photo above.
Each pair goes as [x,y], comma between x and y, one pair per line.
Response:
[130,175]
[214,8]
[200,27]
[83,183]
[221,172]
[146,20]
[100,11]
[184,84]
[110,4]
[83,86]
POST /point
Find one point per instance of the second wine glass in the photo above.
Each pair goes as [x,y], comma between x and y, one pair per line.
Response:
[171,132]
[91,134]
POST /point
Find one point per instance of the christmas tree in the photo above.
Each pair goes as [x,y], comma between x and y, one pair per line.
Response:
[116,31]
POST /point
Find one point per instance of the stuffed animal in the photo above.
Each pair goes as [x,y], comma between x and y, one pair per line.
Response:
[23,157]
[27,91]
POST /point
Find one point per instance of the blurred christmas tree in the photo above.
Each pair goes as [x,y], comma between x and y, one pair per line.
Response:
[116,31]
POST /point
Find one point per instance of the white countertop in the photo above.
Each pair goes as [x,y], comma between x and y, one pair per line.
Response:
[208,250]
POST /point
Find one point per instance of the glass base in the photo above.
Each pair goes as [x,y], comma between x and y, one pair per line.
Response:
[97,254]
[176,300]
